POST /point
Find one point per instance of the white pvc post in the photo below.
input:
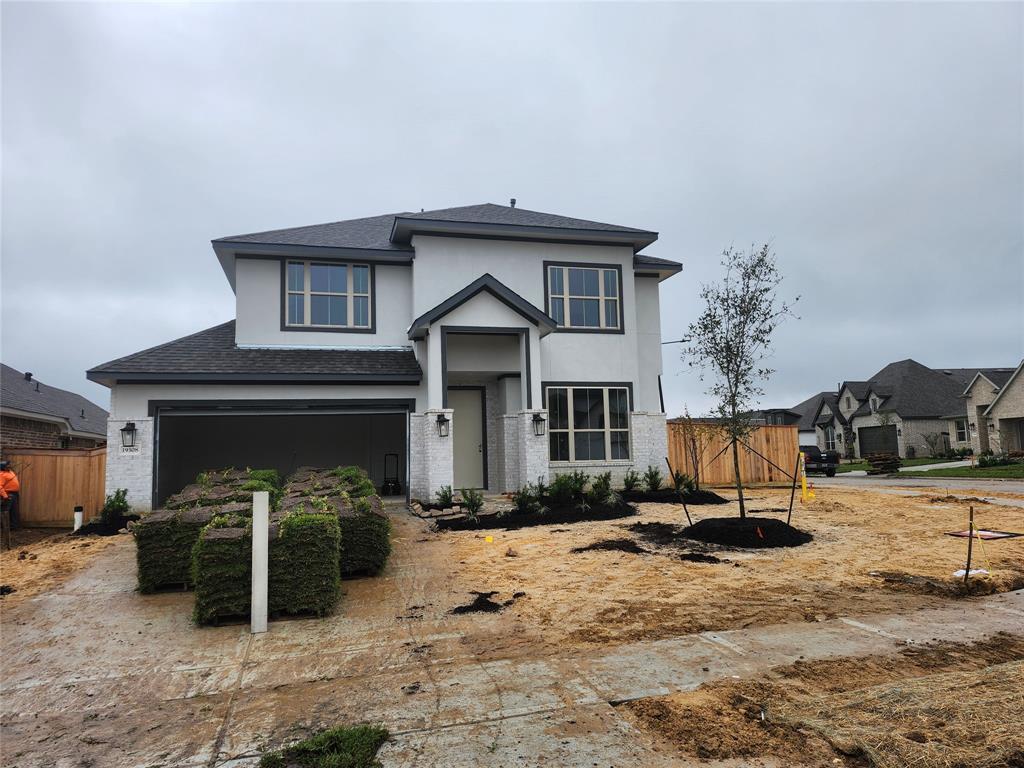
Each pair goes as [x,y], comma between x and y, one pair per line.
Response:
[260,558]
[79,514]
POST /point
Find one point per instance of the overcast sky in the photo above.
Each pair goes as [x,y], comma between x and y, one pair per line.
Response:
[879,147]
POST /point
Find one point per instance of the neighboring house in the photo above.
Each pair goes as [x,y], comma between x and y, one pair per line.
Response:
[810,410]
[898,410]
[483,346]
[992,417]
[35,415]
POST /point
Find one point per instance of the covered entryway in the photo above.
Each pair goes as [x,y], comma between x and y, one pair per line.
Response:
[878,440]
[191,439]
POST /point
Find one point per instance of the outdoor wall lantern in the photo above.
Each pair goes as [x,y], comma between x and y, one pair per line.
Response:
[539,424]
[443,425]
[128,433]
[899,432]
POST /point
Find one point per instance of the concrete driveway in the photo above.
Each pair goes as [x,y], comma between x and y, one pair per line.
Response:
[97,675]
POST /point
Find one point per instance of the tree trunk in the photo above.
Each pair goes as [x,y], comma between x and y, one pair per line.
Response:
[739,482]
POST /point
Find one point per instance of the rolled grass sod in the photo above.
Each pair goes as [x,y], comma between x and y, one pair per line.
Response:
[222,570]
[165,538]
[304,572]
[343,747]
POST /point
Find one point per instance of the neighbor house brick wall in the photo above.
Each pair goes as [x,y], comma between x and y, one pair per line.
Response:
[132,471]
[17,432]
[914,431]
[1005,416]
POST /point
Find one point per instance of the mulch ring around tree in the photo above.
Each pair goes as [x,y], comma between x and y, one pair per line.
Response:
[482,603]
[669,496]
[752,532]
[96,527]
[510,520]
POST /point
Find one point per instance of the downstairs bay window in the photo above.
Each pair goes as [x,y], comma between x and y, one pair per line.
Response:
[588,423]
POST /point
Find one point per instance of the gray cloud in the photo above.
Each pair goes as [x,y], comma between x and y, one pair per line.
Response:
[878,146]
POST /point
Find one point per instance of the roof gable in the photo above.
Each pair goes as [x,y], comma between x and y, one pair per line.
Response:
[1013,380]
[491,285]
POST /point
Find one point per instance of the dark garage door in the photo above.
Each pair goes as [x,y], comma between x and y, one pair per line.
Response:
[877,440]
[190,442]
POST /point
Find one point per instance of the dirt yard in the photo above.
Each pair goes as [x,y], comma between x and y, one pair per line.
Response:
[41,559]
[871,552]
[520,650]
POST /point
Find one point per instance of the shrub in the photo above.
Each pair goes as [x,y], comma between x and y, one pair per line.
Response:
[222,570]
[561,490]
[527,501]
[304,563]
[652,478]
[115,508]
[682,482]
[997,460]
[445,497]
[335,748]
[601,488]
[472,502]
[631,480]
[266,475]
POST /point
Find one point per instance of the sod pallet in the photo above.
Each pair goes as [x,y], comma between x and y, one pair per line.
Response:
[883,463]
[222,572]
[365,538]
[165,538]
[304,572]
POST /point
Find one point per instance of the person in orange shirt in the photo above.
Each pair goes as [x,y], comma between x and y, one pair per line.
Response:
[10,490]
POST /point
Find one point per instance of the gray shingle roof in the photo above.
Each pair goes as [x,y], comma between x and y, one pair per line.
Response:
[809,408]
[374,232]
[915,391]
[35,397]
[211,355]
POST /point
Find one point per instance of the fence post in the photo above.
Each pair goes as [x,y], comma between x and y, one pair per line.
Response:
[260,560]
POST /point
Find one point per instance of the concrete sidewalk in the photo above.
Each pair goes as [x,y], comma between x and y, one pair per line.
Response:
[130,682]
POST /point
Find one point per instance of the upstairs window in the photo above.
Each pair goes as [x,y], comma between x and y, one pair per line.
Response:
[329,296]
[586,298]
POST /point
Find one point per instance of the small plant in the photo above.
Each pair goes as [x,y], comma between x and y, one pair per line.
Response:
[445,497]
[578,482]
[561,490]
[542,487]
[115,507]
[653,478]
[527,501]
[631,480]
[472,502]
[601,488]
[682,482]
[335,748]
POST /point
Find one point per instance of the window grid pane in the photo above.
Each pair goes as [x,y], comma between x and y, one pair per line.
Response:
[588,423]
[593,295]
[323,295]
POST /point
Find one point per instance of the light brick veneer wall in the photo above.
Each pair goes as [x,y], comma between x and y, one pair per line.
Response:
[133,471]
[431,458]
[648,448]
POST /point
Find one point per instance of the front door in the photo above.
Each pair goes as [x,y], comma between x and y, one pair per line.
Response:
[468,433]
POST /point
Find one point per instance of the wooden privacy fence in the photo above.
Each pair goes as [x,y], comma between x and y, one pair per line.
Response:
[777,443]
[54,482]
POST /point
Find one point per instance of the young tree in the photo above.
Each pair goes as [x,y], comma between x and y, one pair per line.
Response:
[732,338]
[697,435]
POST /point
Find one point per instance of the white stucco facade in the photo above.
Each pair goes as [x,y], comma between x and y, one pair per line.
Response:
[484,341]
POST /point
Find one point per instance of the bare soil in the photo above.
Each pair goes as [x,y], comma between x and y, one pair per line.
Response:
[871,552]
[817,713]
[41,560]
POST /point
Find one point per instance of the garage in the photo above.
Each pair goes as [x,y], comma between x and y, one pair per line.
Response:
[878,440]
[191,439]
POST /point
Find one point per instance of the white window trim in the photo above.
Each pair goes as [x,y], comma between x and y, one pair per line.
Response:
[956,430]
[308,293]
[830,438]
[601,298]
[571,430]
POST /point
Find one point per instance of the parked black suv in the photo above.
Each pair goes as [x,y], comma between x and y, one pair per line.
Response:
[816,460]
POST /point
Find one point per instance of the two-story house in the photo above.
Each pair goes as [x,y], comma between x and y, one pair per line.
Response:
[482,346]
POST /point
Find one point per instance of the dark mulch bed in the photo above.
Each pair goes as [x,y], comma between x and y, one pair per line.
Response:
[97,527]
[482,603]
[512,521]
[613,545]
[669,496]
[755,532]
[698,557]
